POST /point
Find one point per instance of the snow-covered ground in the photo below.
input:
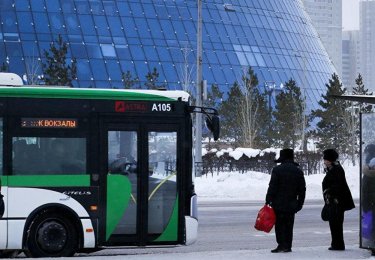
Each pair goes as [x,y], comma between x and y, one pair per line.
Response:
[252,186]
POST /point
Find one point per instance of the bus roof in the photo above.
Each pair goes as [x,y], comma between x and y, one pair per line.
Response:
[93,93]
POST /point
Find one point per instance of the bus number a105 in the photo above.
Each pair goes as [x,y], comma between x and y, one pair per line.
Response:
[162,107]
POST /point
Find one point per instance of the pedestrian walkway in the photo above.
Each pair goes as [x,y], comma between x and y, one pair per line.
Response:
[352,252]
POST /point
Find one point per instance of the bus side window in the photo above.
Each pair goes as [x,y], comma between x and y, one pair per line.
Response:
[20,157]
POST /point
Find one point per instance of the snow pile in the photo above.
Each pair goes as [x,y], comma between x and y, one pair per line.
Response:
[239,152]
[252,186]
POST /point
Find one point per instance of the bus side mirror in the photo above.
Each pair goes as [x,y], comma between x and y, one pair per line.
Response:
[213,124]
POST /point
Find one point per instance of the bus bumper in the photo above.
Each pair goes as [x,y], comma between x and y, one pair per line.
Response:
[191,222]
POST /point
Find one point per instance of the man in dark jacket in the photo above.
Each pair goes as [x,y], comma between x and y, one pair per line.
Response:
[286,195]
[337,194]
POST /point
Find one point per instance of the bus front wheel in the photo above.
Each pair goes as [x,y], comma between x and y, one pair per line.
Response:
[51,235]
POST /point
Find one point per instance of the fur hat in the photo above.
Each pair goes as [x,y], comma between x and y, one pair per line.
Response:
[285,154]
[330,155]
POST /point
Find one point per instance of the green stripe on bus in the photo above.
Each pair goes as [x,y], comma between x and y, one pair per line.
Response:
[3,181]
[77,93]
[48,181]
[118,196]
[170,232]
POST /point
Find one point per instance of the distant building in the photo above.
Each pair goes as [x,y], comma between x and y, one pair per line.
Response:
[326,16]
[367,42]
[110,37]
[350,58]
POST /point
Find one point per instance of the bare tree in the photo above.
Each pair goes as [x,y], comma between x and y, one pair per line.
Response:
[33,66]
[186,71]
[249,108]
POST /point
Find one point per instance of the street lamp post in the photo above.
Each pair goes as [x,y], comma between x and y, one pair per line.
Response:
[198,121]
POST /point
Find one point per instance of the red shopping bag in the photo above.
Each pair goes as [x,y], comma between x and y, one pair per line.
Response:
[266,219]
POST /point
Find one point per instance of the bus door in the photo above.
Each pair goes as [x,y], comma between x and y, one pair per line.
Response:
[141,183]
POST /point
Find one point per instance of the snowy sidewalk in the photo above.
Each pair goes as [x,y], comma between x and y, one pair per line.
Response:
[352,252]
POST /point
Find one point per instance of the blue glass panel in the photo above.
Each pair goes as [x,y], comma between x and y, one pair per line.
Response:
[71,22]
[167,29]
[98,69]
[136,9]
[155,28]
[87,24]
[22,5]
[26,36]
[75,38]
[101,25]
[11,37]
[164,53]
[170,73]
[17,65]
[82,6]
[122,52]
[41,22]
[67,6]
[83,70]
[149,11]
[37,5]
[56,23]
[127,65]
[110,8]
[93,51]
[14,49]
[115,26]
[141,70]
[25,21]
[96,7]
[108,50]
[53,5]
[137,53]
[78,50]
[119,40]
[150,53]
[123,8]
[114,70]
[102,84]
[30,49]
[9,21]
[129,27]
[142,28]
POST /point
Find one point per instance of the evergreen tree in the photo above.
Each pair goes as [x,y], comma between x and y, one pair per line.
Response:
[288,115]
[4,67]
[129,81]
[332,130]
[214,97]
[55,69]
[152,80]
[229,114]
[360,89]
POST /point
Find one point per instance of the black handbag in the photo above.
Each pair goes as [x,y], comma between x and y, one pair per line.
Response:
[325,213]
[2,206]
[329,211]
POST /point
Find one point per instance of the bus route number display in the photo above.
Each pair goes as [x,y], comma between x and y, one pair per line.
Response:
[49,123]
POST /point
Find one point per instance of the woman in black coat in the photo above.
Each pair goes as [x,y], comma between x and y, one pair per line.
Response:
[336,193]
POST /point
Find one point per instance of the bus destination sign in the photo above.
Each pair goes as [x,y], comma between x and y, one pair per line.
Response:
[49,123]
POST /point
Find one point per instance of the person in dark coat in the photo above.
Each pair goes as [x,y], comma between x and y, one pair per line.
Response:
[336,191]
[286,195]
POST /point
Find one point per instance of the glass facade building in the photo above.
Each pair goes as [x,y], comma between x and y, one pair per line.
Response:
[110,37]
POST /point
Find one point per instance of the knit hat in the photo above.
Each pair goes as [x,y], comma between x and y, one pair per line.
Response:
[285,154]
[330,155]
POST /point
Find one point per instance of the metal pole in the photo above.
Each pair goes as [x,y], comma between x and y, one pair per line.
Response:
[198,123]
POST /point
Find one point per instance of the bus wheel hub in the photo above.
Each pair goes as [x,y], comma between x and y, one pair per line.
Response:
[52,236]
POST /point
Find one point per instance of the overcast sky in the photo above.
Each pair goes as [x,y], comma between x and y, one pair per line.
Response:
[350,14]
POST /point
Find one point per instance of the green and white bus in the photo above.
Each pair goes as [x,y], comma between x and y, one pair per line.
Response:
[87,169]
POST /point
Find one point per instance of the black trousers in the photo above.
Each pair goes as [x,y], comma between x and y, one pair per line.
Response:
[336,227]
[284,229]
